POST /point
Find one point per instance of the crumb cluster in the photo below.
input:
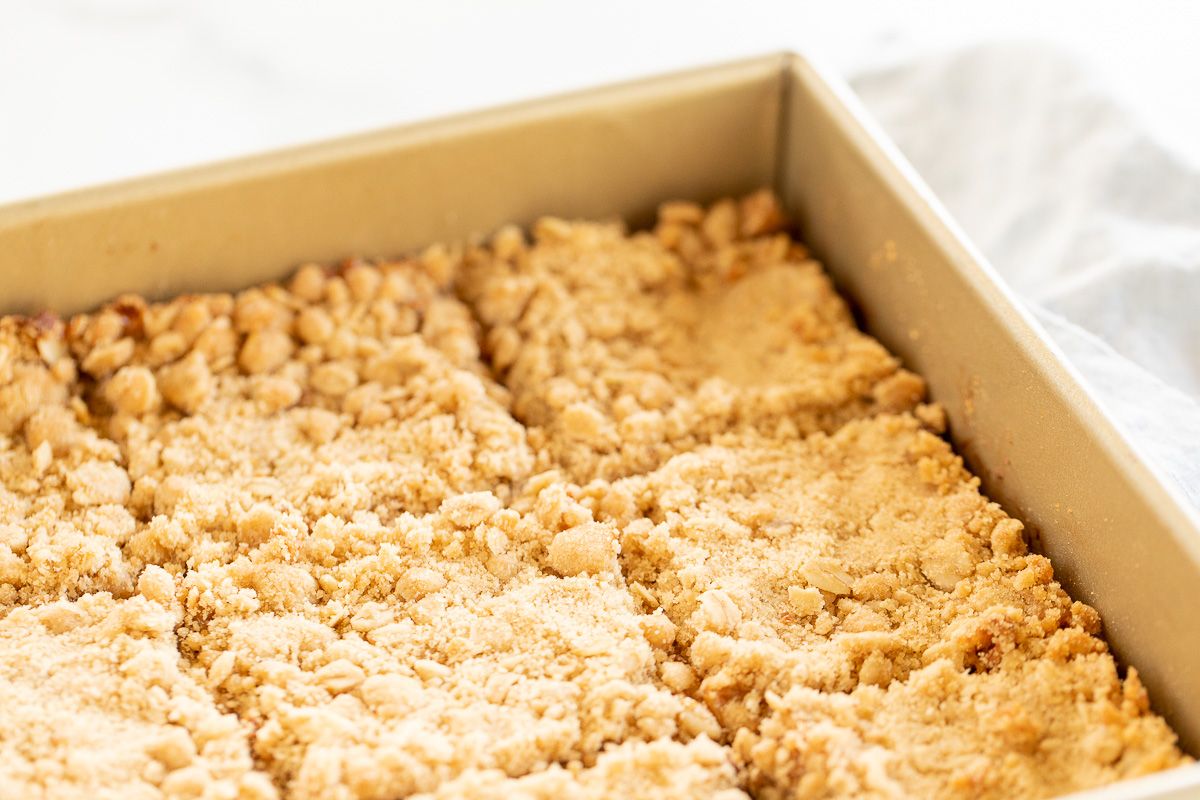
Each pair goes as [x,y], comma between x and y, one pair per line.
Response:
[624,350]
[595,514]
[96,703]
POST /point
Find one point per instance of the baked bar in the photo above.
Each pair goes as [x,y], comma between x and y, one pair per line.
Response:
[622,350]
[155,433]
[833,560]
[375,661]
[95,702]
[845,599]
[355,391]
[1046,721]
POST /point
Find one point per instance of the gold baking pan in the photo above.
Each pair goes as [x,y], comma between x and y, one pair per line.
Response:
[1120,538]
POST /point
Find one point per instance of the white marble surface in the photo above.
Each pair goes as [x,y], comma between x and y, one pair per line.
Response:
[95,90]
[1064,136]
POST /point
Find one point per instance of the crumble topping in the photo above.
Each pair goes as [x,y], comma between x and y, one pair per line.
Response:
[675,528]
[342,393]
[155,433]
[96,702]
[622,350]
[659,770]
[64,491]
[833,560]
[1046,721]
[863,622]
[377,661]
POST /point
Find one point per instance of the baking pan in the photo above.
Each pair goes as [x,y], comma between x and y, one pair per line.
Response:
[1120,538]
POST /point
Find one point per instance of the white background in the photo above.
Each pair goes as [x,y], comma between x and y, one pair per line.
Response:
[92,90]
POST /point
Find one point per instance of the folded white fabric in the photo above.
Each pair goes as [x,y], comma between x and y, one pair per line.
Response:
[1092,221]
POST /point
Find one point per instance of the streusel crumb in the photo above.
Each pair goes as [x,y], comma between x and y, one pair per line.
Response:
[95,702]
[660,770]
[375,661]
[1040,724]
[866,564]
[622,350]
[591,514]
[64,490]
[829,551]
[347,392]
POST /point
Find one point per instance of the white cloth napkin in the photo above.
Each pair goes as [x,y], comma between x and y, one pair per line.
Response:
[1094,222]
